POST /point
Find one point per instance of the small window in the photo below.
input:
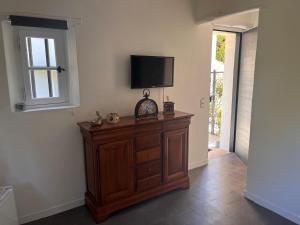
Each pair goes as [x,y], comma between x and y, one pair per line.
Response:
[44,66]
[41,63]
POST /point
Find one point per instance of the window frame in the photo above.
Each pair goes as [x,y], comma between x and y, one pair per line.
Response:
[59,37]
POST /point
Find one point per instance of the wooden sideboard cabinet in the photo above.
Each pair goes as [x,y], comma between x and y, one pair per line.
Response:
[133,160]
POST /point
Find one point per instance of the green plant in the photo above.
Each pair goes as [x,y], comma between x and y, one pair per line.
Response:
[218,101]
[216,114]
[219,118]
[220,55]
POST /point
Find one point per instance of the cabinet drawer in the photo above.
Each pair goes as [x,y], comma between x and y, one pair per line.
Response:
[149,169]
[177,124]
[148,155]
[105,136]
[146,128]
[148,183]
[147,141]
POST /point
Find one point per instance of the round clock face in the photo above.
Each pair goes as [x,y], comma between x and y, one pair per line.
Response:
[147,107]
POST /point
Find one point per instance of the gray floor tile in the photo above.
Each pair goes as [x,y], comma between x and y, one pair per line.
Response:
[214,198]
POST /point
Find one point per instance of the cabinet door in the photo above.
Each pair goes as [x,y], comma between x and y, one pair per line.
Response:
[175,154]
[116,170]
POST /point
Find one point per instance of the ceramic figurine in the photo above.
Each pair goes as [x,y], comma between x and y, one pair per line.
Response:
[113,118]
[98,121]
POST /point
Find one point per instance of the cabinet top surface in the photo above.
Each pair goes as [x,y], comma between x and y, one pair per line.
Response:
[131,121]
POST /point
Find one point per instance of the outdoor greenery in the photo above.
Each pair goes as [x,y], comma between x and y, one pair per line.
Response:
[216,113]
[220,56]
[218,100]
[218,92]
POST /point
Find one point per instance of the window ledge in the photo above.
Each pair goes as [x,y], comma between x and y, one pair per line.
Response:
[50,108]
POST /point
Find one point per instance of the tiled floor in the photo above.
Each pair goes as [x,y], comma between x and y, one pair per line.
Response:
[216,153]
[215,197]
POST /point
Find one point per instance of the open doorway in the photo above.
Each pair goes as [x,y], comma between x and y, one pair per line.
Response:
[225,53]
[231,86]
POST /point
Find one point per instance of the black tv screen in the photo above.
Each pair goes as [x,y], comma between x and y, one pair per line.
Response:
[151,71]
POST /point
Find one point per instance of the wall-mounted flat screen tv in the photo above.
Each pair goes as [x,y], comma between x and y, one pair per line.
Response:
[151,71]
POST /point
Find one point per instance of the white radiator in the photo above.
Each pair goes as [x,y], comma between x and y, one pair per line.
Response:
[8,211]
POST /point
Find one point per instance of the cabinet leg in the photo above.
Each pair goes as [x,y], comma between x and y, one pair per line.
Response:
[101,218]
[185,185]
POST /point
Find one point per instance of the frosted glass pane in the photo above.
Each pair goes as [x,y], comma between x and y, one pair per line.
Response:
[52,55]
[54,80]
[41,84]
[38,52]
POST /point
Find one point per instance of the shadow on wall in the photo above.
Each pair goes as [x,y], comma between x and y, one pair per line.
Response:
[24,191]
[194,5]
[3,170]
[204,11]
[4,96]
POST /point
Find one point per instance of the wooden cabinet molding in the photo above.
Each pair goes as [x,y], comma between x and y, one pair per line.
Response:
[132,161]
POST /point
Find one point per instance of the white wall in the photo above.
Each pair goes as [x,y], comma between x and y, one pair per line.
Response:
[41,152]
[207,10]
[273,165]
[237,21]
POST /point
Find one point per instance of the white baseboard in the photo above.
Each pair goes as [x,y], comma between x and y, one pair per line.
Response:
[51,211]
[269,205]
[76,203]
[194,165]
